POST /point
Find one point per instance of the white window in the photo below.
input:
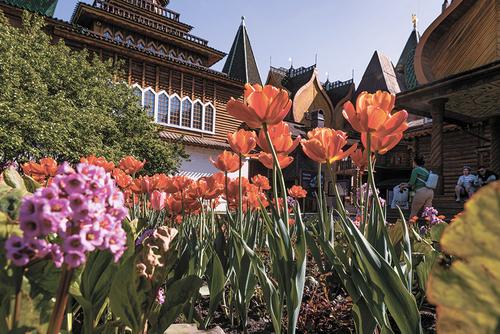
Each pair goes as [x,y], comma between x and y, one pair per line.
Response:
[208,122]
[198,116]
[187,112]
[149,102]
[176,112]
[162,114]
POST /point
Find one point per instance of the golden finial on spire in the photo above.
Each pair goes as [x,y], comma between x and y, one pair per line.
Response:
[414,20]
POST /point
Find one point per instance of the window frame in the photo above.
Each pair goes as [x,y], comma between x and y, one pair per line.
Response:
[170,98]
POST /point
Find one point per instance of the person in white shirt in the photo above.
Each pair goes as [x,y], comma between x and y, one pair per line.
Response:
[465,184]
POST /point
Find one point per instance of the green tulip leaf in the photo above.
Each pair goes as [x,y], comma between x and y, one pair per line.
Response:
[437,230]
[467,294]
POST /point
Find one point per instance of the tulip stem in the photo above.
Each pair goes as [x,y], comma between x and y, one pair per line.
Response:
[280,174]
[240,190]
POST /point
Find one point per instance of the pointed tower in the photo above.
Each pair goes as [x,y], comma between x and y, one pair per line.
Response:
[379,75]
[405,70]
[240,63]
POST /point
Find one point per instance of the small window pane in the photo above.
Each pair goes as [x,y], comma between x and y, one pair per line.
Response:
[197,115]
[137,92]
[149,102]
[140,46]
[130,42]
[186,113]
[209,118]
[175,110]
[107,35]
[162,109]
[118,39]
[161,52]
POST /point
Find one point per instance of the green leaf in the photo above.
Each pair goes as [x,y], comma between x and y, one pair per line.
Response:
[127,298]
[13,179]
[31,184]
[399,301]
[467,294]
[217,281]
[437,230]
[177,295]
[423,269]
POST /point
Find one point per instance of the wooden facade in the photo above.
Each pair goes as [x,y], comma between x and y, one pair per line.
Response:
[156,54]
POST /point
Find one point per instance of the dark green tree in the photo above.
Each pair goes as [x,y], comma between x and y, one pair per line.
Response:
[66,104]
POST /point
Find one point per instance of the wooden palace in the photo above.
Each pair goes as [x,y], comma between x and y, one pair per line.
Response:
[167,66]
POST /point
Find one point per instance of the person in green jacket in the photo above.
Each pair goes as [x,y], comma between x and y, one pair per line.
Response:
[423,195]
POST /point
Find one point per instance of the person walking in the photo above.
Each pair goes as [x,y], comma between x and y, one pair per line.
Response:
[423,195]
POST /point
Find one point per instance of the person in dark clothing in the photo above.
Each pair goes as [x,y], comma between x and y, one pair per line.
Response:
[485,177]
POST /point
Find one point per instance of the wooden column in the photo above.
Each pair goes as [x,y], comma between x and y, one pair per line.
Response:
[436,162]
[495,144]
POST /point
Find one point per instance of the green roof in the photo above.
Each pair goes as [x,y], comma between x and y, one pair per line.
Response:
[45,7]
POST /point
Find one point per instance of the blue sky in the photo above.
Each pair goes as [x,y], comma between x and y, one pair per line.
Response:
[343,33]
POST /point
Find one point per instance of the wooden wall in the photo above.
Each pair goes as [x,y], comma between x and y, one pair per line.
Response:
[174,80]
[459,149]
[468,43]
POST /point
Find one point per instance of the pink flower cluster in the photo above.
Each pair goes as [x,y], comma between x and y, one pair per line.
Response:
[432,215]
[79,212]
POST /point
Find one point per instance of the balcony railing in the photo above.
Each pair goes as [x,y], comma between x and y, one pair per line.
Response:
[110,7]
[155,9]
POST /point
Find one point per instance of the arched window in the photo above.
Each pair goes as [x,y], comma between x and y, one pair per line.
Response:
[138,92]
[209,118]
[149,102]
[151,48]
[140,45]
[198,116]
[187,107]
[130,41]
[181,57]
[107,35]
[162,52]
[162,115]
[172,54]
[118,38]
[175,110]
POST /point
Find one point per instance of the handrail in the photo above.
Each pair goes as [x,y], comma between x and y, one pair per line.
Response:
[155,9]
[111,8]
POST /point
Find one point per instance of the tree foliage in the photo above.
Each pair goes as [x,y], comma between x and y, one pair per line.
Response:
[65,104]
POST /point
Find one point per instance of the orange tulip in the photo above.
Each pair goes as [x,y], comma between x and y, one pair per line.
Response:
[131,165]
[280,137]
[233,191]
[254,198]
[297,192]
[175,184]
[360,158]
[212,186]
[373,114]
[267,160]
[263,105]
[242,142]
[325,145]
[261,182]
[122,179]
[174,205]
[227,162]
[143,185]
[383,144]
[99,161]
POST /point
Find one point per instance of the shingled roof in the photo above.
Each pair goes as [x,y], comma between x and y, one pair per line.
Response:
[405,70]
[379,75]
[240,63]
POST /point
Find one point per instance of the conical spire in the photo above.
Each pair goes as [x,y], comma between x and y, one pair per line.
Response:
[405,70]
[240,63]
